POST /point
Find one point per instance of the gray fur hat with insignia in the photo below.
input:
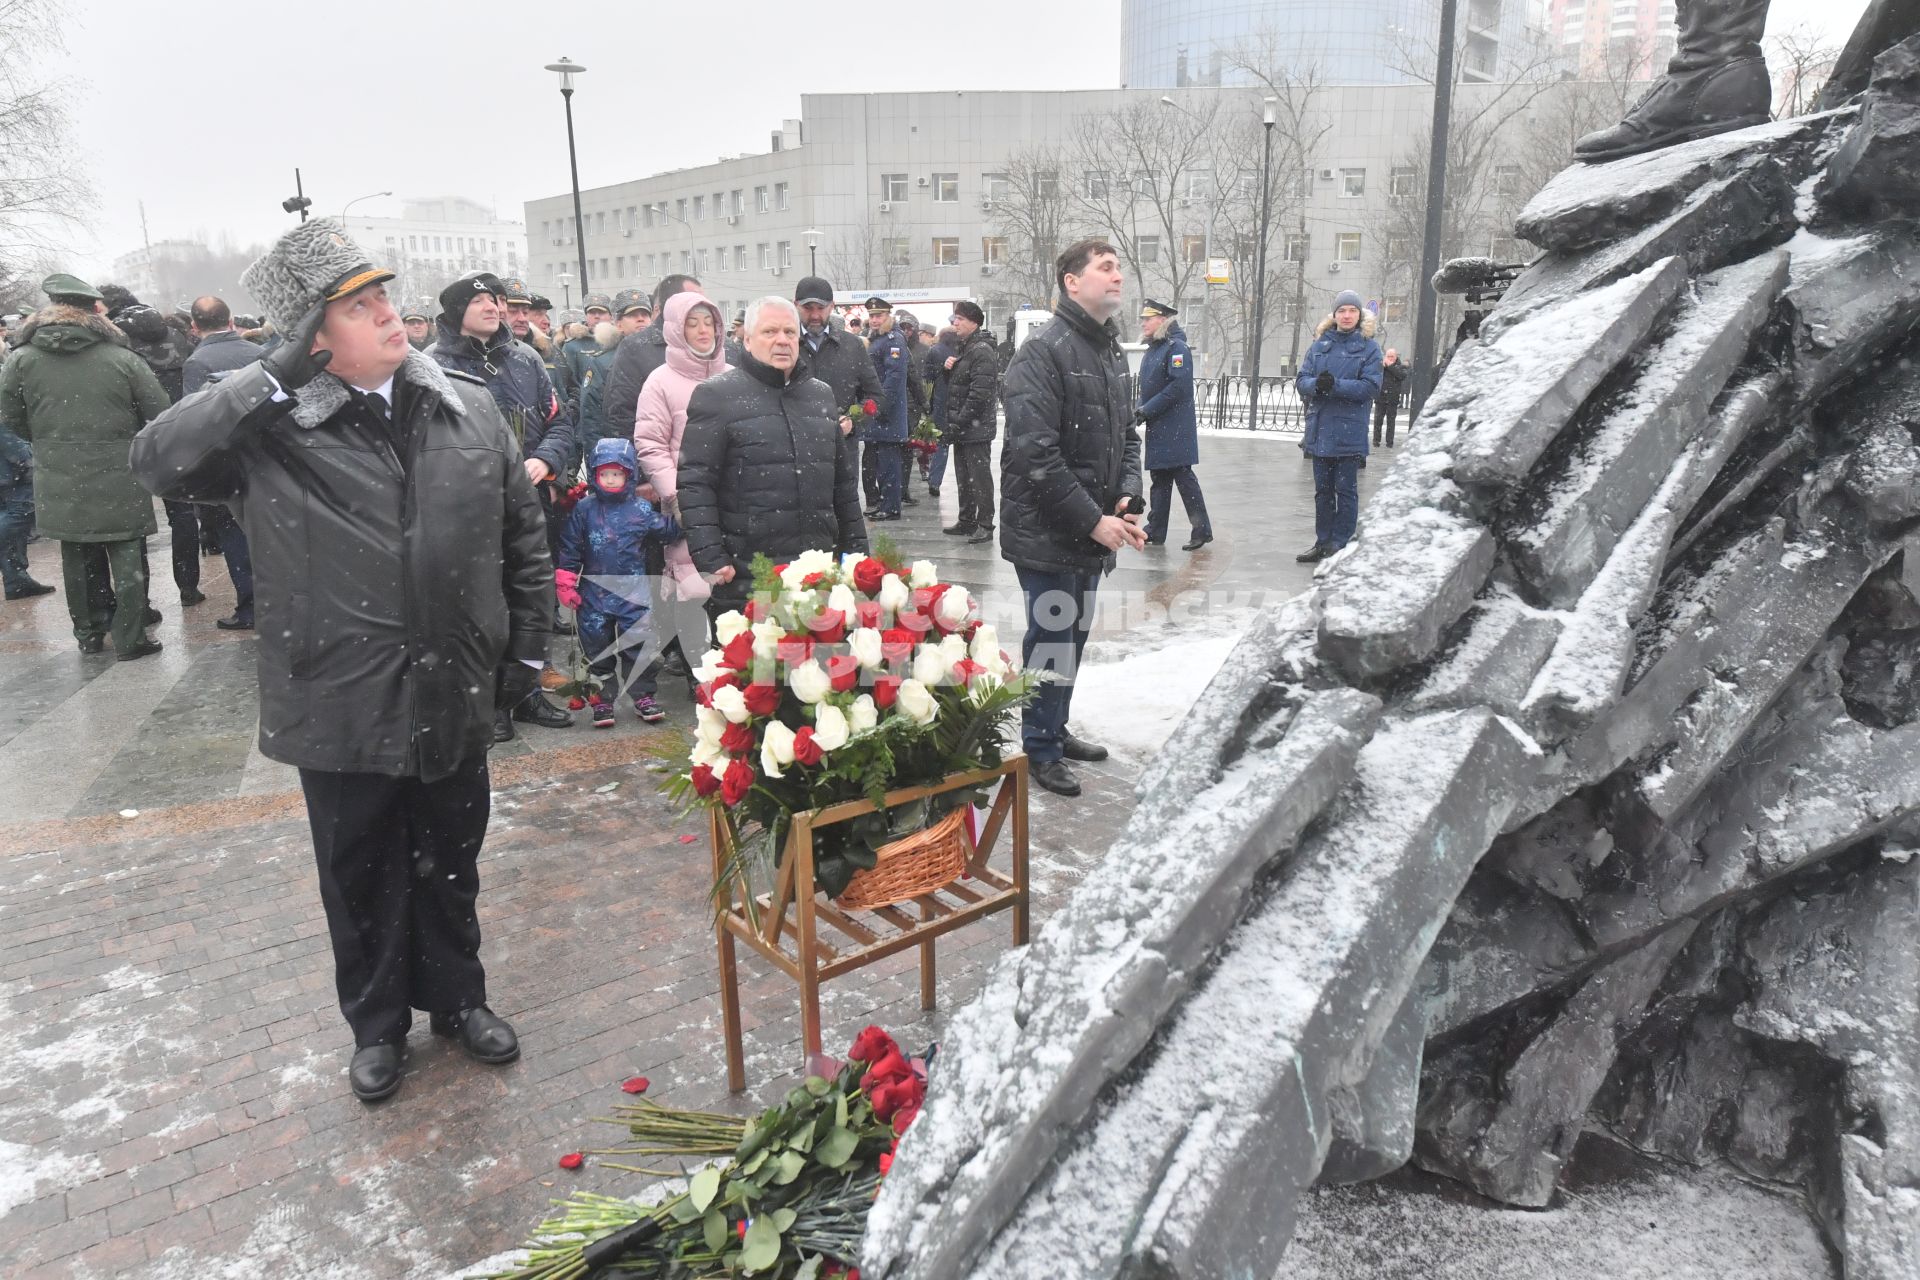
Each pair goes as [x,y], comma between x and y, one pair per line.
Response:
[312,264]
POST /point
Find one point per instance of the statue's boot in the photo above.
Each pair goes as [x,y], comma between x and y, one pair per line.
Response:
[1716,82]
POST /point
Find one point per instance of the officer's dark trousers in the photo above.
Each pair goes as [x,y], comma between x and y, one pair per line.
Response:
[398,879]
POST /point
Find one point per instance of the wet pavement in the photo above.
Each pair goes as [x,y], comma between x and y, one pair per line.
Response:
[172,1065]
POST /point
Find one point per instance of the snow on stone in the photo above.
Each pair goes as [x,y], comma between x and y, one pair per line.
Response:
[1130,706]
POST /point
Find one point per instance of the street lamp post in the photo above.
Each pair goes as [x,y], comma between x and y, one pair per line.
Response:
[1427,318]
[1260,270]
[693,250]
[567,70]
[371,195]
[813,250]
[565,281]
[1206,277]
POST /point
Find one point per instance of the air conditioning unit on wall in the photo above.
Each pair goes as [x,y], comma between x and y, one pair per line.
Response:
[1333,268]
[1326,175]
[886,206]
[921,181]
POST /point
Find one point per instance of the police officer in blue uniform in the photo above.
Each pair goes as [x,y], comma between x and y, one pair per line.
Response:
[1173,440]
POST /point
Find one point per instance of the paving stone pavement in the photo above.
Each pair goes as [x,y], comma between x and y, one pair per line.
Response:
[172,1091]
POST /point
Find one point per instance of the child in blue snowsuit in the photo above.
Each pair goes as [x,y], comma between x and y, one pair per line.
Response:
[602,576]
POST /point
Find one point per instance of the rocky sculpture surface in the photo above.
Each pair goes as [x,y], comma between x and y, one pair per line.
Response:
[1581,792]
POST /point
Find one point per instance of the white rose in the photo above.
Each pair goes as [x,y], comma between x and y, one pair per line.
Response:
[865,646]
[708,754]
[776,748]
[986,645]
[830,728]
[710,724]
[997,667]
[922,574]
[930,666]
[953,648]
[812,562]
[731,703]
[709,668]
[954,607]
[916,702]
[842,599]
[864,715]
[850,561]
[809,681]
[766,639]
[893,595]
[728,625]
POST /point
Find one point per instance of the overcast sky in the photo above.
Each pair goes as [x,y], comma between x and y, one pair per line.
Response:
[202,111]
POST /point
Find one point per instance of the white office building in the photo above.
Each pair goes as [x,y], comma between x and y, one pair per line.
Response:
[436,239]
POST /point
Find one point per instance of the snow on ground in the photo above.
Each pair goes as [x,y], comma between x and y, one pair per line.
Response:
[1687,1225]
[26,1172]
[1131,706]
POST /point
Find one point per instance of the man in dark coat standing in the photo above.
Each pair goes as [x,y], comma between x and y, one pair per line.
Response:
[885,436]
[220,351]
[402,560]
[971,409]
[764,464]
[1173,440]
[832,354]
[1070,490]
[1393,386]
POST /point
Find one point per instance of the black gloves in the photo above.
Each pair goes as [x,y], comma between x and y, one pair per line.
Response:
[1323,385]
[294,363]
[516,683]
[1139,417]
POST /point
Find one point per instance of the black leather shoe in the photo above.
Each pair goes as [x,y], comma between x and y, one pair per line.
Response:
[152,618]
[192,597]
[535,709]
[884,515]
[29,591]
[502,727]
[145,649]
[481,1032]
[375,1072]
[93,644]
[1156,542]
[1198,541]
[1054,776]
[1319,552]
[981,535]
[234,623]
[908,500]
[959,530]
[1080,749]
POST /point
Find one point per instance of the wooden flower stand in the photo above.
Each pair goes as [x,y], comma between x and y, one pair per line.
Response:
[793,917]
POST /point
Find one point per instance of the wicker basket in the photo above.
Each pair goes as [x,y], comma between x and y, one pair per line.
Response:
[912,866]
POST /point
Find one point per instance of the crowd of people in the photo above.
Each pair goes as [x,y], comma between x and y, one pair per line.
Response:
[413,501]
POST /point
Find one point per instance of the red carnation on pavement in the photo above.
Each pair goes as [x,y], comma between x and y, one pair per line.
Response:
[805,749]
[762,697]
[705,781]
[843,670]
[867,575]
[635,1084]
[737,740]
[871,1045]
[688,838]
[574,704]
[869,611]
[869,408]
[736,781]
[885,690]
[738,652]
[572,1160]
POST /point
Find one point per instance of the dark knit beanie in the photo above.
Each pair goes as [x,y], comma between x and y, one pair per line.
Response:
[970,311]
[455,297]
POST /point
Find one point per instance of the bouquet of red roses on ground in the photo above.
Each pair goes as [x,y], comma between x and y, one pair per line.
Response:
[844,678]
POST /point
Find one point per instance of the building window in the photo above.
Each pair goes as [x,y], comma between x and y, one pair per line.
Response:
[1299,184]
[702,270]
[601,228]
[993,250]
[1193,249]
[766,255]
[1193,185]
[896,251]
[413,242]
[1506,179]
[633,218]
[720,259]
[780,196]
[1297,246]
[546,230]
[1346,247]
[686,262]
[681,204]
[1289,311]
[739,257]
[760,199]
[646,215]
[1393,309]
[1353,183]
[620,267]
[893,187]
[946,251]
[719,205]
[786,253]
[1504,249]
[946,188]
[1096,185]
[699,208]
[1146,183]
[996,186]
[1400,182]
[652,267]
[739,202]
[1399,247]
[1147,249]
[1046,185]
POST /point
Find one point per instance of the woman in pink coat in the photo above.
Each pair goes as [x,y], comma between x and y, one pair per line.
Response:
[693,332]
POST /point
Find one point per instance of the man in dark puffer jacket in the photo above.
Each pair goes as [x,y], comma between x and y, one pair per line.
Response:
[1069,490]
[764,465]
[970,409]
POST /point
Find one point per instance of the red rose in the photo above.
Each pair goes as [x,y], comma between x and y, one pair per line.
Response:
[896,644]
[805,749]
[738,653]
[890,1067]
[575,704]
[754,611]
[705,782]
[793,649]
[885,690]
[813,580]
[914,621]
[867,575]
[781,567]
[872,1045]
[736,781]
[762,697]
[725,680]
[572,1160]
[971,628]
[829,626]
[843,670]
[869,611]
[889,1096]
[886,1161]
[903,1119]
[703,694]
[737,740]
[869,408]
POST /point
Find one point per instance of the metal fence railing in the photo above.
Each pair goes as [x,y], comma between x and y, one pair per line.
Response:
[1222,402]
